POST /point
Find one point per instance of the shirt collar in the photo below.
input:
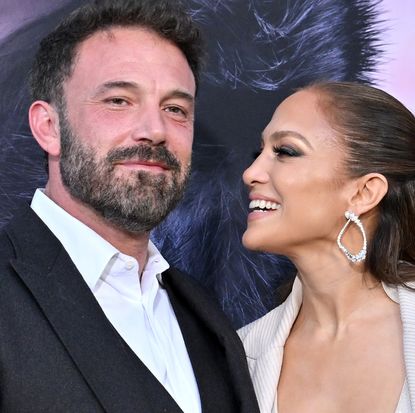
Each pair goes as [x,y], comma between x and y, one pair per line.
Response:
[89,252]
[156,264]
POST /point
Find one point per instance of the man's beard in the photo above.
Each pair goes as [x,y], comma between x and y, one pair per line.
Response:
[136,203]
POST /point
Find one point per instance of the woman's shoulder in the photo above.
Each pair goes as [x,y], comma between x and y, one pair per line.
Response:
[406,299]
[399,293]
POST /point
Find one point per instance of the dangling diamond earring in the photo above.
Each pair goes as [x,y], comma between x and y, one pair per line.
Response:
[361,255]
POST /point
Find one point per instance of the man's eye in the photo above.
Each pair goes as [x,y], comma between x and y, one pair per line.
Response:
[176,110]
[117,101]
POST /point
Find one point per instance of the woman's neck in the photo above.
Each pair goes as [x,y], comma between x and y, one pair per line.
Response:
[336,294]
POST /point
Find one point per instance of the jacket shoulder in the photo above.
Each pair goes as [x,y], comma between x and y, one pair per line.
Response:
[26,238]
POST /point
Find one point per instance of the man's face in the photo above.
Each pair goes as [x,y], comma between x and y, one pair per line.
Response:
[127,130]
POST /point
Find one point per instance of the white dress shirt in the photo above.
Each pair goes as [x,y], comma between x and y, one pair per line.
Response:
[141,312]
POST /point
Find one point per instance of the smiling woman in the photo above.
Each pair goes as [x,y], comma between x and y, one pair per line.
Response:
[297,167]
[337,168]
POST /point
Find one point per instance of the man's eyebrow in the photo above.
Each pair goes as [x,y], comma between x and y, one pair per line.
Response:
[134,87]
[283,133]
[180,94]
[117,84]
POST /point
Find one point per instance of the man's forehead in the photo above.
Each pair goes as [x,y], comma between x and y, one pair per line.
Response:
[130,55]
[125,45]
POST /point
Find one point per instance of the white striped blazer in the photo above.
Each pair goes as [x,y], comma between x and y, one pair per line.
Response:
[264,341]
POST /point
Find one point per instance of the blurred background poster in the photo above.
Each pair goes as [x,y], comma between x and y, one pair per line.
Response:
[396,73]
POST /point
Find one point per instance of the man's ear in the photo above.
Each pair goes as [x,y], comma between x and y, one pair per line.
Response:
[44,123]
[369,191]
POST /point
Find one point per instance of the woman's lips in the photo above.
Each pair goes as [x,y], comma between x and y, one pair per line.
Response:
[261,208]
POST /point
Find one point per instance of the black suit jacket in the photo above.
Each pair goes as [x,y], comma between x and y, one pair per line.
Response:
[59,353]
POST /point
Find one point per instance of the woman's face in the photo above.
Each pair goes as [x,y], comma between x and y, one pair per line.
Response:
[298,187]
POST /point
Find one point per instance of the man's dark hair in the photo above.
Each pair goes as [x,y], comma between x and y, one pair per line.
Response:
[55,59]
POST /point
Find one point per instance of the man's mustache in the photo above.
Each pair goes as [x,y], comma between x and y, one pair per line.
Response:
[143,152]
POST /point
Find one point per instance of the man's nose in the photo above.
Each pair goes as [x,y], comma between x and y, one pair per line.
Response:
[151,127]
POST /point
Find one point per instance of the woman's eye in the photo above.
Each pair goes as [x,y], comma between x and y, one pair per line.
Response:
[285,151]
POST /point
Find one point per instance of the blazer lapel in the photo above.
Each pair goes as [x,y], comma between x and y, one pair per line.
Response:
[214,349]
[264,342]
[120,381]
[407,305]
[264,346]
[265,372]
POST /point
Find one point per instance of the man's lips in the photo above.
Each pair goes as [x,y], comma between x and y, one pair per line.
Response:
[152,166]
[143,157]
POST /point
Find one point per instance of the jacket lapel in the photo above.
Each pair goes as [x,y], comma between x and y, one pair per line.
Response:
[264,350]
[407,305]
[214,349]
[120,381]
[264,342]
[265,372]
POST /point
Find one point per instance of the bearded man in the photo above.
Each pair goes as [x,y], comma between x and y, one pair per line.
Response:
[93,319]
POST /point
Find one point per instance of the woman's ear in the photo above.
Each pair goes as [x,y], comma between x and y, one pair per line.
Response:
[44,123]
[370,190]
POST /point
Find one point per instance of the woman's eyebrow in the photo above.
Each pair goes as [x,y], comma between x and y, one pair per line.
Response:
[283,133]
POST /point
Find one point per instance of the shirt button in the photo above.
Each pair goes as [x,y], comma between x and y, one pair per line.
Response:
[129,265]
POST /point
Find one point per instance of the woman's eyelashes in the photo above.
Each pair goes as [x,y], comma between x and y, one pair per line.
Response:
[284,150]
[280,151]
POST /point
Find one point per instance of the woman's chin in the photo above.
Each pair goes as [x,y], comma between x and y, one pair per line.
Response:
[251,242]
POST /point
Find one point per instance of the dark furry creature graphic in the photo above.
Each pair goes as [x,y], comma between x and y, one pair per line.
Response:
[258,52]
